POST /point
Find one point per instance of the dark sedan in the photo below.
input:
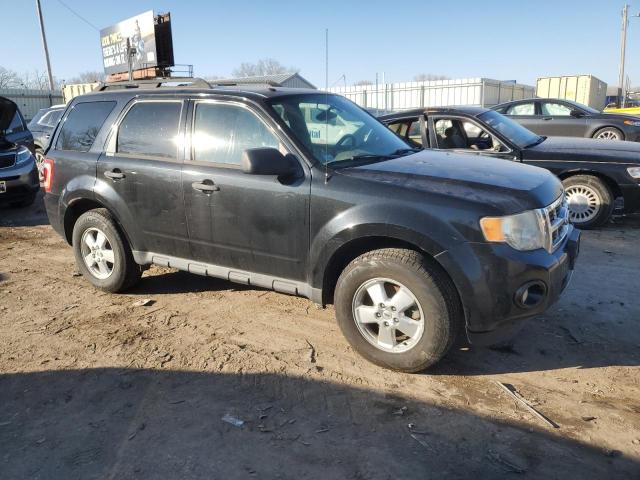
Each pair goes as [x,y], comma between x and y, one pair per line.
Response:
[41,127]
[594,172]
[564,118]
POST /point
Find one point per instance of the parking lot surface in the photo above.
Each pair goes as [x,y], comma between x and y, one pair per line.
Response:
[212,379]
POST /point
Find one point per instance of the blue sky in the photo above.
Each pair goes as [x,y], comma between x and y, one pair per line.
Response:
[500,39]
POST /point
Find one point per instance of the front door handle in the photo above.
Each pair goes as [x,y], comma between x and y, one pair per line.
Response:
[206,186]
[546,119]
[114,174]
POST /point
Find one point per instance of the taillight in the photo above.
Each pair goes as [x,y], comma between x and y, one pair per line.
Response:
[47,174]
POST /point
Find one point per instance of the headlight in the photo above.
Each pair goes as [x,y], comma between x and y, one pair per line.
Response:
[523,231]
[633,123]
[634,172]
[23,155]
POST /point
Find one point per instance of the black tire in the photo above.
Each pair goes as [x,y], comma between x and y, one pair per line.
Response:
[434,291]
[26,202]
[125,272]
[593,186]
[608,133]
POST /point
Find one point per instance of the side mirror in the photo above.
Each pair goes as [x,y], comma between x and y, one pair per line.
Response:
[268,161]
[576,113]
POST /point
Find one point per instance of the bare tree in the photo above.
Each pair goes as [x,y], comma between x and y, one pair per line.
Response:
[88,77]
[422,77]
[363,82]
[36,80]
[9,78]
[265,66]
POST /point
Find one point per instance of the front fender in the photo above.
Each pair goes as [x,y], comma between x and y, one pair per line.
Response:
[410,225]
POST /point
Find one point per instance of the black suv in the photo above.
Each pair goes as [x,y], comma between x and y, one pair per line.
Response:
[305,193]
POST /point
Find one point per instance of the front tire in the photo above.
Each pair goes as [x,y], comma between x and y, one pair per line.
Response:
[608,133]
[397,310]
[39,155]
[102,253]
[590,201]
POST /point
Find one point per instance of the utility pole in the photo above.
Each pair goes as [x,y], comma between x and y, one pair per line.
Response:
[623,47]
[44,44]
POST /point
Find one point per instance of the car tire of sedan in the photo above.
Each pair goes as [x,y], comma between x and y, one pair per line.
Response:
[39,155]
[102,253]
[589,199]
[608,133]
[397,309]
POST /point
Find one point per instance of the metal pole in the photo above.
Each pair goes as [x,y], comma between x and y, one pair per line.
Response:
[623,47]
[44,44]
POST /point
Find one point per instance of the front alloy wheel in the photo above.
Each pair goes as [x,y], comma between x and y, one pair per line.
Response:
[584,203]
[388,315]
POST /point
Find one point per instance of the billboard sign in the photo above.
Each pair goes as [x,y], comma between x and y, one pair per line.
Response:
[140,30]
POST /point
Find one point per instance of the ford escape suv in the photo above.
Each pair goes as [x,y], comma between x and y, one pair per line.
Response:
[305,193]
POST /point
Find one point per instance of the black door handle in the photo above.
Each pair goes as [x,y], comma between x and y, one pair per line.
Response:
[206,186]
[114,174]
[547,118]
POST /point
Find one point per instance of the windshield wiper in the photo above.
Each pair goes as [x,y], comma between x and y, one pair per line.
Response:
[537,142]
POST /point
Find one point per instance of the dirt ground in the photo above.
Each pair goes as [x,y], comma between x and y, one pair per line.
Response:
[92,386]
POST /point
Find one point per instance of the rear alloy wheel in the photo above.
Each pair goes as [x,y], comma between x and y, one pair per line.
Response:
[608,133]
[589,200]
[102,253]
[397,309]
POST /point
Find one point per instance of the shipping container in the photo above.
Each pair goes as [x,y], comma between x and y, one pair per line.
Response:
[483,92]
[75,89]
[30,101]
[585,89]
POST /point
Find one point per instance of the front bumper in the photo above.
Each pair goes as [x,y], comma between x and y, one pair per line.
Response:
[631,195]
[21,182]
[490,277]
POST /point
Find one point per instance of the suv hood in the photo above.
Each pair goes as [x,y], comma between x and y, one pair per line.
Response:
[509,187]
[584,149]
[7,111]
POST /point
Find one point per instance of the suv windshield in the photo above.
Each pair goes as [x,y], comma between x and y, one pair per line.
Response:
[513,131]
[336,131]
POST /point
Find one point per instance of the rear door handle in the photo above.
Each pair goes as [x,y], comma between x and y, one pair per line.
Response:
[206,186]
[547,118]
[114,174]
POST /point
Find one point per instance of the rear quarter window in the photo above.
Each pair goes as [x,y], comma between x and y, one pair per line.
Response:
[82,125]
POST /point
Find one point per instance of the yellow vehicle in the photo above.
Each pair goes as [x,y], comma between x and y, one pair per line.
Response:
[632,109]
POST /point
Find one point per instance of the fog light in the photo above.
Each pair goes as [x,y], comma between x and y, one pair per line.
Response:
[531,294]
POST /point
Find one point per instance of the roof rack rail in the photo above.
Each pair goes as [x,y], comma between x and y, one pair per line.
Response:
[239,82]
[191,82]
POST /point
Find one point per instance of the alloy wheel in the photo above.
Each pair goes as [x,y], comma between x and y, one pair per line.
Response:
[388,315]
[608,135]
[97,253]
[584,203]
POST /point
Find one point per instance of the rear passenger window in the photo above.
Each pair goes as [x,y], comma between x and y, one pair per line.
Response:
[82,125]
[150,128]
[222,132]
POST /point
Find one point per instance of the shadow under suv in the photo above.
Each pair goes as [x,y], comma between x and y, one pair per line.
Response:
[305,193]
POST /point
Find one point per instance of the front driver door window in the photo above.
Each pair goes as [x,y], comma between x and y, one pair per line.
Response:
[556,120]
[462,134]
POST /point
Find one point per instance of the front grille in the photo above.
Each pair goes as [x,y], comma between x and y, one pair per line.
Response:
[7,160]
[557,218]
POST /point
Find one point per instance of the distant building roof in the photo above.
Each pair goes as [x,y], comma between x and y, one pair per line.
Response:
[291,80]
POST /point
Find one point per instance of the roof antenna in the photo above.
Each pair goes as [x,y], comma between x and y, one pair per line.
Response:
[326,91]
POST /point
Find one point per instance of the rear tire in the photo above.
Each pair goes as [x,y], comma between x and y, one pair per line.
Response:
[608,133]
[39,155]
[414,318]
[590,201]
[102,253]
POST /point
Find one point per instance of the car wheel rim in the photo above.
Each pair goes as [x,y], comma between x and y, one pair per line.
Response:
[388,315]
[40,165]
[608,135]
[97,253]
[584,203]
